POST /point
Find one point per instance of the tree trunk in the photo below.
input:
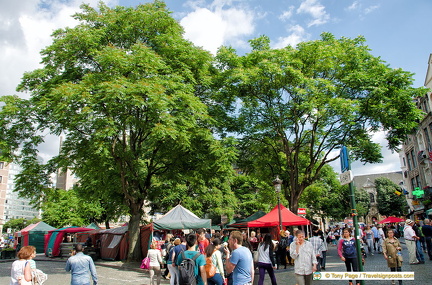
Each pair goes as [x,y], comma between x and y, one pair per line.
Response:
[134,253]
[107,226]
[294,203]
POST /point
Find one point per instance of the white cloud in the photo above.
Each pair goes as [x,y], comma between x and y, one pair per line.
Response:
[204,20]
[298,34]
[370,9]
[358,7]
[216,26]
[25,29]
[315,9]
[391,160]
[286,15]
[353,6]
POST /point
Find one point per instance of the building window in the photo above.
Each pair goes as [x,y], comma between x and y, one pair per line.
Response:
[408,156]
[414,163]
[1,164]
[428,142]
[1,179]
[372,197]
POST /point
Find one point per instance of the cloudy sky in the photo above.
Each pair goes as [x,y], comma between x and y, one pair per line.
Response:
[395,30]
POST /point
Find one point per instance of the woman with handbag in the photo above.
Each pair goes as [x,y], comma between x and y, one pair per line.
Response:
[216,268]
[21,270]
[392,253]
[155,257]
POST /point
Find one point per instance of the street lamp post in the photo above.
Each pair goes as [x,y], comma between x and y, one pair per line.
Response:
[277,183]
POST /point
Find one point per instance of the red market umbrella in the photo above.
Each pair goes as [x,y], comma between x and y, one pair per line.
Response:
[391,220]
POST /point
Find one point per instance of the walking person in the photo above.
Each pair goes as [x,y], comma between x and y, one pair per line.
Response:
[213,252]
[266,260]
[347,252]
[305,260]
[173,270]
[391,251]
[281,251]
[376,238]
[427,232]
[419,251]
[410,241]
[381,237]
[21,268]
[324,249]
[155,256]
[369,239]
[290,240]
[239,262]
[199,269]
[318,246]
[80,267]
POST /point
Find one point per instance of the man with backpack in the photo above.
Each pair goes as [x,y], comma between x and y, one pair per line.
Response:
[191,264]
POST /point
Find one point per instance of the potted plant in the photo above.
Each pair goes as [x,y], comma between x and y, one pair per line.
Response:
[8,253]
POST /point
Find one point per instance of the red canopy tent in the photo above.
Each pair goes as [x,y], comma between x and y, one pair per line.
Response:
[272,219]
[391,220]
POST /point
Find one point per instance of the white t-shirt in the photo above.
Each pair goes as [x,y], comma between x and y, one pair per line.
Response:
[155,257]
[17,270]
[264,255]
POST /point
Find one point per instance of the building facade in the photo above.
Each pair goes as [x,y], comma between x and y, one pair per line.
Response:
[367,183]
[12,206]
[416,157]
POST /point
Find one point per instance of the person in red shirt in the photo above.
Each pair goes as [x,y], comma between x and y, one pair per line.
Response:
[203,242]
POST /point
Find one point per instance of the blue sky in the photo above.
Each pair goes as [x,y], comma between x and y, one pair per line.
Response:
[395,30]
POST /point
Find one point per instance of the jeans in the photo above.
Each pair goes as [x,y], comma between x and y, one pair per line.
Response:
[262,269]
[419,251]
[323,259]
[174,274]
[370,245]
[215,280]
[429,246]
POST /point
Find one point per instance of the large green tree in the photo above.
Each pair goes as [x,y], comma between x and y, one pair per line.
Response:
[19,224]
[389,203]
[298,106]
[125,88]
[67,208]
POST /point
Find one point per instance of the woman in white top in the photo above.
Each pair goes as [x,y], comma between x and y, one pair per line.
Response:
[212,251]
[155,264]
[21,267]
[266,260]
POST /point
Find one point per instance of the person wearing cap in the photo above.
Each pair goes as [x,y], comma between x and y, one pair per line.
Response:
[410,241]
[81,266]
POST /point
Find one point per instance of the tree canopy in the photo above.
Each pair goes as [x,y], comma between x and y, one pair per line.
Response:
[123,86]
[389,203]
[294,107]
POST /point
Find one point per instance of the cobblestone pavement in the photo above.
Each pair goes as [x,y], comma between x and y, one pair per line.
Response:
[117,273]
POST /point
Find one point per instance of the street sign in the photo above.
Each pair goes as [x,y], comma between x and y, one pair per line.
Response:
[344,159]
[346,177]
[301,211]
